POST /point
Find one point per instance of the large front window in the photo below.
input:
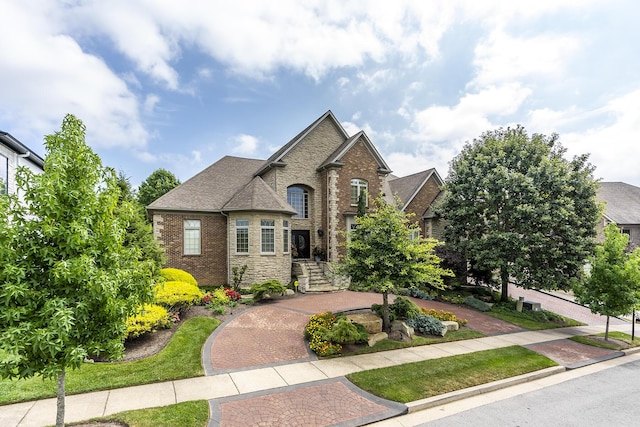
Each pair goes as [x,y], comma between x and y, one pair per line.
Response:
[267,236]
[4,175]
[192,237]
[357,187]
[298,198]
[242,236]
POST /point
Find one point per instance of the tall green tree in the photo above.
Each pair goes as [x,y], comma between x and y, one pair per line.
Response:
[381,254]
[67,281]
[515,206]
[362,203]
[160,182]
[614,281]
[139,232]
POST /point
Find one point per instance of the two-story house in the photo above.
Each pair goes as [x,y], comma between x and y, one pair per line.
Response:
[266,213]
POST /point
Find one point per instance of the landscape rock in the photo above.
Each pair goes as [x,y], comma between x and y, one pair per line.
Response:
[398,325]
[451,325]
[371,322]
[376,338]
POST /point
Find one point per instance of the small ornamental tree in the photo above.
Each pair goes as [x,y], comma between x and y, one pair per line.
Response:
[67,282]
[382,255]
[614,281]
[515,206]
[160,182]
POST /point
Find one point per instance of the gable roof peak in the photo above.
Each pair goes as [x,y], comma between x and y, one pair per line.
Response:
[276,159]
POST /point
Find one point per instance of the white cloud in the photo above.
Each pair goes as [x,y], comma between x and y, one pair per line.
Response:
[471,116]
[504,58]
[245,145]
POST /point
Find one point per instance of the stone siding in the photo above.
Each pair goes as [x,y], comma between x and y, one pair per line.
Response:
[261,267]
[210,267]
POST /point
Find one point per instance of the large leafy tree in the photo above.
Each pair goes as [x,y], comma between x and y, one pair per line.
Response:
[382,255]
[160,182]
[515,206]
[67,281]
[614,280]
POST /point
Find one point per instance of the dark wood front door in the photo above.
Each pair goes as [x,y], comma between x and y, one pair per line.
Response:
[301,241]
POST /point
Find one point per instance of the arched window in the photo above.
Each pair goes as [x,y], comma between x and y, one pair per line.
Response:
[298,198]
[357,186]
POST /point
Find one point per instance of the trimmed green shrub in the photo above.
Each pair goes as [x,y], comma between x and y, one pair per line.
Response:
[418,293]
[149,318]
[318,333]
[377,309]
[270,287]
[343,331]
[177,275]
[404,308]
[427,325]
[477,304]
[443,316]
[177,295]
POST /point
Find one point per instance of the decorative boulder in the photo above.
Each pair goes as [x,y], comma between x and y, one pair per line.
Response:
[451,325]
[376,338]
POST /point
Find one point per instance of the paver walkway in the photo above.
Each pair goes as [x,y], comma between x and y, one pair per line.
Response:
[275,387]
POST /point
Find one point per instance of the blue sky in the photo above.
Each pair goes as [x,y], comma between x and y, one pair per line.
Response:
[180,84]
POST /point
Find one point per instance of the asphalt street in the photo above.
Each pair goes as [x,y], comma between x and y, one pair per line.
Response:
[605,398]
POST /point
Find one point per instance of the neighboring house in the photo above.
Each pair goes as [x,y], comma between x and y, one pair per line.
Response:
[302,200]
[14,154]
[622,206]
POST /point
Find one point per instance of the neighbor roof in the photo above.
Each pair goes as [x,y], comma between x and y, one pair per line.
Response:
[18,147]
[622,202]
[211,189]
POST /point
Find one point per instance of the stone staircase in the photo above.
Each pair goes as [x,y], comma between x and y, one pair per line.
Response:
[318,280]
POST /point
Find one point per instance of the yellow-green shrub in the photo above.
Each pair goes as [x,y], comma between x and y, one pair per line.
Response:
[176,295]
[443,315]
[150,318]
[177,275]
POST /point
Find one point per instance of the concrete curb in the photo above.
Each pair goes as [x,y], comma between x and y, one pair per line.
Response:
[442,399]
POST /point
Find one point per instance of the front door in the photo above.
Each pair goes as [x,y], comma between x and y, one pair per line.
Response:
[301,241]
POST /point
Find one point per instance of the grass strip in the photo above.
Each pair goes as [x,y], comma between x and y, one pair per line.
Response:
[419,380]
[181,358]
[610,345]
[187,414]
[532,320]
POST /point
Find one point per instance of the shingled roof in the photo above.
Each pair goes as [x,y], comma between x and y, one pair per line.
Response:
[407,187]
[622,202]
[336,157]
[219,185]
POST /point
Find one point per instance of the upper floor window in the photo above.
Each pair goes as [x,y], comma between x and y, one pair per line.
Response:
[4,174]
[192,237]
[357,187]
[267,236]
[298,198]
[242,236]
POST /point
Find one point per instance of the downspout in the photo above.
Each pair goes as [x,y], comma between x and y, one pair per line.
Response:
[228,247]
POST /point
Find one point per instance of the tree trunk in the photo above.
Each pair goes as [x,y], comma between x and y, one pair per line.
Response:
[606,330]
[60,400]
[504,278]
[386,324]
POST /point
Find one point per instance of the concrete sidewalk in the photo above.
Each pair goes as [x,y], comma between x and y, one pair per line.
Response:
[279,377]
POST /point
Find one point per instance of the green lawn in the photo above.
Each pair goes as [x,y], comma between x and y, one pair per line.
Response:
[187,414]
[415,381]
[611,345]
[531,320]
[181,358]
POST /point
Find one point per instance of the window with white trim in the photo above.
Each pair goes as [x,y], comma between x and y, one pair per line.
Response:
[298,198]
[267,236]
[286,245]
[192,237]
[357,187]
[242,236]
[414,234]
